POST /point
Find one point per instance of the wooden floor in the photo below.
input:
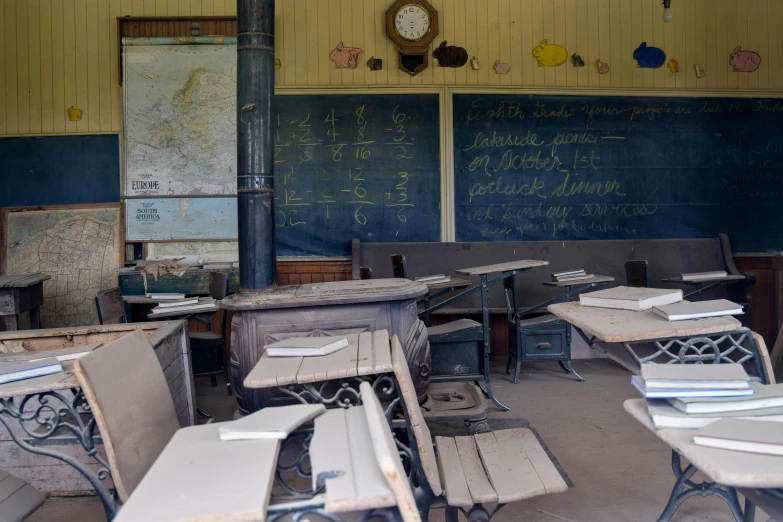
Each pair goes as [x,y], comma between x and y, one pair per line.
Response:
[620,471]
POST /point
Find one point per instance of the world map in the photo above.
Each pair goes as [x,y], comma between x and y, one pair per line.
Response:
[180,120]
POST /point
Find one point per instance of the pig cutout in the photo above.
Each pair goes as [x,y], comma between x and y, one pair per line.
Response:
[744,61]
[345,57]
[550,55]
[649,57]
[450,55]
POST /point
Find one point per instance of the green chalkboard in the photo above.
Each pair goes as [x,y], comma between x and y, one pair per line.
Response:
[574,167]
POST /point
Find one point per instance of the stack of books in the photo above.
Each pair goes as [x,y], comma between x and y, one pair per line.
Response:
[185,305]
[433,279]
[703,276]
[697,310]
[693,396]
[19,371]
[571,275]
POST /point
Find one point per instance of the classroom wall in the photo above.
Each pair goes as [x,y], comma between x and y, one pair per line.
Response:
[60,53]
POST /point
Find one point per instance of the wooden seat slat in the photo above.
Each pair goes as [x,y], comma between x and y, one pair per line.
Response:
[281,372]
[421,432]
[546,470]
[508,468]
[387,455]
[480,489]
[450,467]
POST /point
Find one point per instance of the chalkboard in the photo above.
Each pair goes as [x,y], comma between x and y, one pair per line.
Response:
[346,166]
[59,170]
[573,167]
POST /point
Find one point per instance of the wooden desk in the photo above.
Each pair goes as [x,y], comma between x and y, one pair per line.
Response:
[368,353]
[439,289]
[19,294]
[702,285]
[731,469]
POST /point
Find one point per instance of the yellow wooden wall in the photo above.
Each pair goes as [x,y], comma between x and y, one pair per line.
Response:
[59,53]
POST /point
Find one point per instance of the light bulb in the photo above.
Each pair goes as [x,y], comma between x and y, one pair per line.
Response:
[667,15]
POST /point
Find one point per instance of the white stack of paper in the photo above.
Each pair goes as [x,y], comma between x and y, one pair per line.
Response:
[752,436]
[630,298]
[700,276]
[306,346]
[571,275]
[661,381]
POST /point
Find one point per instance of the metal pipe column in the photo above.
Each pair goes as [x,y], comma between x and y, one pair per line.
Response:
[255,145]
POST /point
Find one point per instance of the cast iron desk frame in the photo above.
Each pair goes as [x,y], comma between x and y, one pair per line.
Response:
[566,296]
[700,283]
[484,288]
[440,290]
[714,347]
[43,402]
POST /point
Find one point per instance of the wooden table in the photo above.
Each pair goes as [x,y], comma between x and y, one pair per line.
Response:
[700,283]
[307,378]
[61,395]
[199,477]
[728,469]
[19,294]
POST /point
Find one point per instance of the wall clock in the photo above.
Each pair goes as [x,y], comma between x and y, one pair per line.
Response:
[412,25]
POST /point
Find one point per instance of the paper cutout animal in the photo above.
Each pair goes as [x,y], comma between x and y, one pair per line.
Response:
[673,66]
[501,68]
[577,61]
[550,55]
[375,64]
[744,61]
[345,57]
[278,64]
[474,63]
[649,57]
[699,70]
[450,55]
[602,67]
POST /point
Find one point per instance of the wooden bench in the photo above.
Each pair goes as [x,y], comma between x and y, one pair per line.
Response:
[466,472]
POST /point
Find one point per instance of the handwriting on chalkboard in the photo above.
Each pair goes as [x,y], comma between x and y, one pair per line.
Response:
[557,167]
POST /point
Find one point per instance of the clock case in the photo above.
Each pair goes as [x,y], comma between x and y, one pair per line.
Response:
[413,56]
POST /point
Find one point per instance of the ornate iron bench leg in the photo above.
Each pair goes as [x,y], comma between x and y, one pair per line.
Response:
[684,489]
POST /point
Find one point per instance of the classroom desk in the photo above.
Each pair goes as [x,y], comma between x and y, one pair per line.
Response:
[504,271]
[728,470]
[19,294]
[312,379]
[440,289]
[700,283]
[46,406]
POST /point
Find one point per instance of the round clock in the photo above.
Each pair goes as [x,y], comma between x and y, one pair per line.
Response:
[412,22]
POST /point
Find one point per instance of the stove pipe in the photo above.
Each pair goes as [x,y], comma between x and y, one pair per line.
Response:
[255,145]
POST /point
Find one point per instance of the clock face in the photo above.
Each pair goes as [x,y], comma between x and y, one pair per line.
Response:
[412,22]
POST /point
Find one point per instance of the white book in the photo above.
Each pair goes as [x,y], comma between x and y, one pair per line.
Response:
[216,266]
[694,376]
[697,310]
[672,393]
[568,273]
[695,276]
[270,423]
[435,281]
[166,296]
[19,371]
[183,302]
[575,278]
[752,436]
[665,416]
[630,298]
[427,279]
[764,396]
[306,346]
[203,303]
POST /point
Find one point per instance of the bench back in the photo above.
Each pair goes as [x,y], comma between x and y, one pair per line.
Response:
[387,454]
[420,430]
[666,257]
[128,395]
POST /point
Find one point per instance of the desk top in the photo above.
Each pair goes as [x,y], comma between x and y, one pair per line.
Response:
[617,326]
[521,264]
[454,283]
[589,280]
[200,477]
[679,279]
[367,353]
[732,468]
[23,280]
[55,382]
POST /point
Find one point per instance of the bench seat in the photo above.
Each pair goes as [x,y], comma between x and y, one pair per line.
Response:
[500,466]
